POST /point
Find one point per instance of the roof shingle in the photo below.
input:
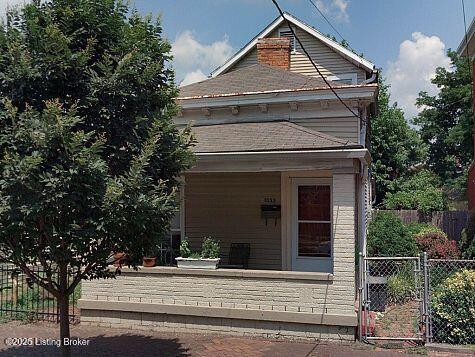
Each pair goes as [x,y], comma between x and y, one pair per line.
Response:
[263,136]
[252,79]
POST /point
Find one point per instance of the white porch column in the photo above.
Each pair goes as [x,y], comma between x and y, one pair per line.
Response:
[344,237]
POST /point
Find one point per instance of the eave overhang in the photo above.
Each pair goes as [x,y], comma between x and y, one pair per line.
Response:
[351,92]
[331,159]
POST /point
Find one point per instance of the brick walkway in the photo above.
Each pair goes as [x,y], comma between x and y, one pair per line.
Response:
[113,342]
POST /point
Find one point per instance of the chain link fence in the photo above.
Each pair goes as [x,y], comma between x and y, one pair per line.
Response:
[417,299]
[392,298]
[451,301]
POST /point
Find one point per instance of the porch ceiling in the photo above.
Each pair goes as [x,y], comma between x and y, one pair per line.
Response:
[263,137]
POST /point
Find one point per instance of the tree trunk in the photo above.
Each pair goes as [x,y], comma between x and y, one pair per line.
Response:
[63,302]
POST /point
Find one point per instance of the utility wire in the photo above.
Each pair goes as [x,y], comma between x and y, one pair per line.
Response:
[313,63]
[331,25]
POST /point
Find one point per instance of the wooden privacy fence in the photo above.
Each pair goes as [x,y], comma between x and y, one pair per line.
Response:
[451,222]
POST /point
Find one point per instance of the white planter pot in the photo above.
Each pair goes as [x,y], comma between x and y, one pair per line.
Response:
[197,263]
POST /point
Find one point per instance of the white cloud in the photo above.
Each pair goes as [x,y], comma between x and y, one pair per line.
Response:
[6,4]
[193,77]
[341,6]
[192,59]
[413,70]
[336,9]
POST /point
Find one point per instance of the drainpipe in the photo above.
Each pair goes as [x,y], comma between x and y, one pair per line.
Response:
[362,204]
[371,79]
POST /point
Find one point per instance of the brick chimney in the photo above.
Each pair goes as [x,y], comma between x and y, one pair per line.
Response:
[274,51]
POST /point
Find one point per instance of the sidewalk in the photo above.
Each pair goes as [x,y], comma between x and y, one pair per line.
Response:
[114,342]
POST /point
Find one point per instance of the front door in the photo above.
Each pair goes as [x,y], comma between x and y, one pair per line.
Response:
[312,243]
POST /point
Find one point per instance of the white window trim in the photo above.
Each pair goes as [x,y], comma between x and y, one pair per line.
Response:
[181,210]
[294,183]
[353,76]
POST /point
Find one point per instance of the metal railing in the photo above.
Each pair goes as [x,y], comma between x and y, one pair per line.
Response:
[21,299]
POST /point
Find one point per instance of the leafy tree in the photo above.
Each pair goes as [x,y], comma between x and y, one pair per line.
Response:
[446,123]
[89,156]
[395,146]
[421,191]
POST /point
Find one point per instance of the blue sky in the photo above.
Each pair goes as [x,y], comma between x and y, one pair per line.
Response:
[374,27]
[407,38]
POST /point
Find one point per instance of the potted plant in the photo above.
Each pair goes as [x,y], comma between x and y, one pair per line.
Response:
[207,259]
[149,262]
[120,258]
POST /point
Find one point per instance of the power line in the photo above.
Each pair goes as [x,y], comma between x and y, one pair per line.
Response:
[329,23]
[313,63]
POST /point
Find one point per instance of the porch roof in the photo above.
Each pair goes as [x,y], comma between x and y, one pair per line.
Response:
[264,137]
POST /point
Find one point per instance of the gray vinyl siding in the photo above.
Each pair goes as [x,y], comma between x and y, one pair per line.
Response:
[247,60]
[329,62]
[226,206]
[332,121]
[343,128]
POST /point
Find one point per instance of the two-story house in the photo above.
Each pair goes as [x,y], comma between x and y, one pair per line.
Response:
[282,167]
[467,48]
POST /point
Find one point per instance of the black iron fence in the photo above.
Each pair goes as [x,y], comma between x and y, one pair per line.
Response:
[21,299]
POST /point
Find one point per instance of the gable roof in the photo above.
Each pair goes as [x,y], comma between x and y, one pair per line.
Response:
[468,41]
[263,136]
[349,55]
[254,79]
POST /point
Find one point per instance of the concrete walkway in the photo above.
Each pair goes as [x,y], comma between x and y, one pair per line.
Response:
[114,342]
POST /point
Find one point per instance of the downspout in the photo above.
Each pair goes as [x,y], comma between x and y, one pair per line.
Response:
[362,203]
[363,180]
[371,79]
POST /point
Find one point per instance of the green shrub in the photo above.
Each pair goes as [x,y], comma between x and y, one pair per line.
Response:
[388,236]
[210,248]
[401,287]
[453,311]
[417,228]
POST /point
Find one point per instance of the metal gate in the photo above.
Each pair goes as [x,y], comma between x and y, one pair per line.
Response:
[391,298]
[409,299]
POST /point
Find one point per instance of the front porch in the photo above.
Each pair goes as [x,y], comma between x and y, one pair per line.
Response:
[277,296]
[314,227]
